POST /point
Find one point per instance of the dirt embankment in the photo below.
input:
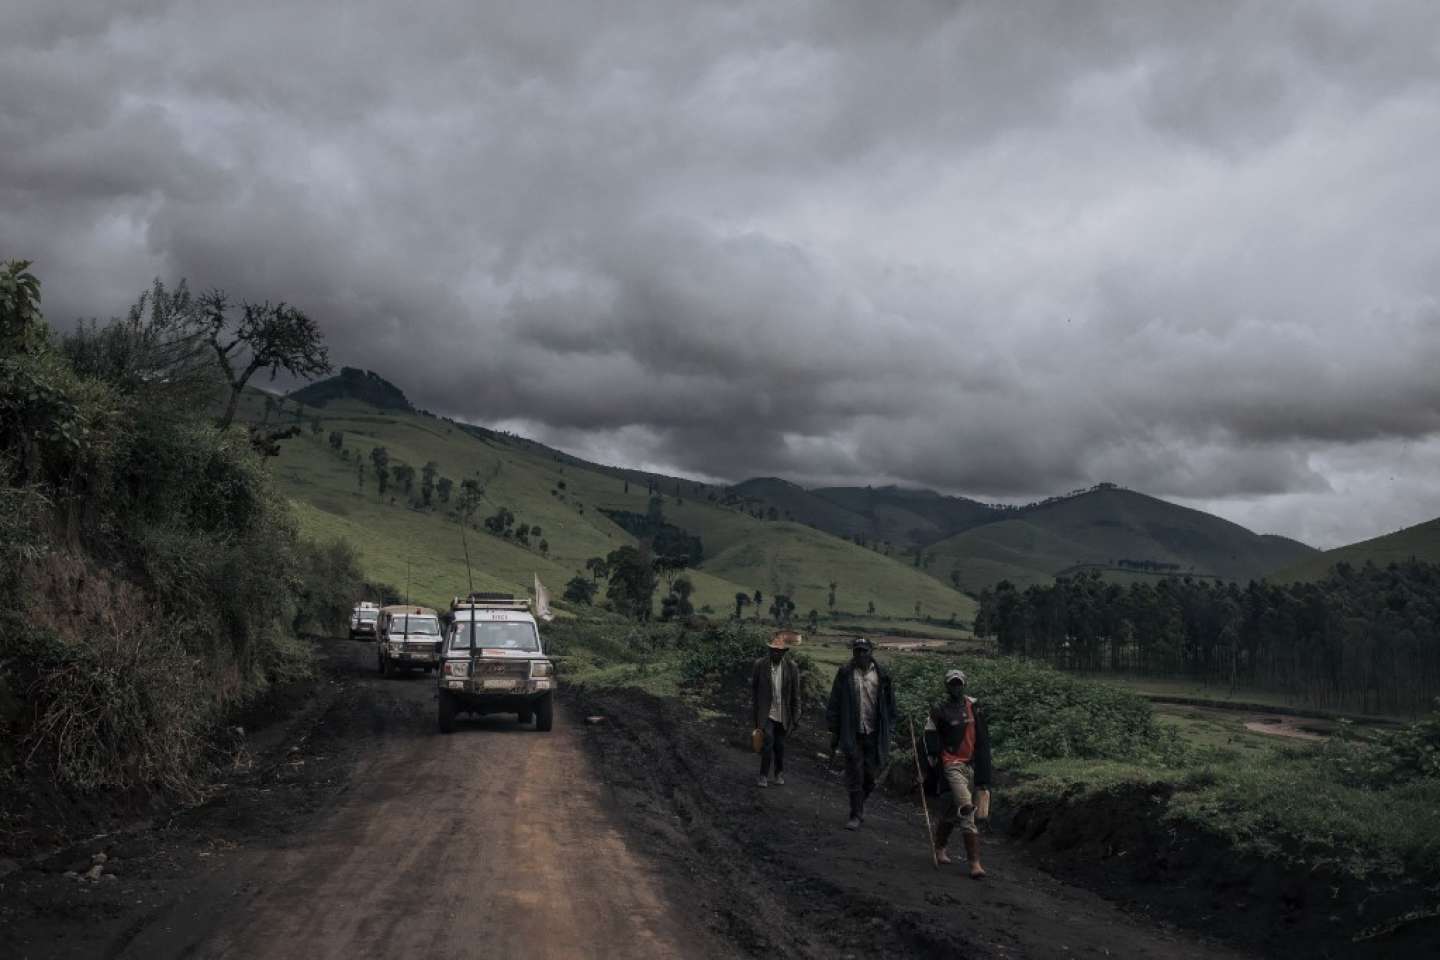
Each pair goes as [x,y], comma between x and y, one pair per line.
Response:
[778,868]
[1120,843]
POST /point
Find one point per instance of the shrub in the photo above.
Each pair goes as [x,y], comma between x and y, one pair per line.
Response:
[1039,713]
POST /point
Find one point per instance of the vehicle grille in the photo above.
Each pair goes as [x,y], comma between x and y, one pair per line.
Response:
[502,668]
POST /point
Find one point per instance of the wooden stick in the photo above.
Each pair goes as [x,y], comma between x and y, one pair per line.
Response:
[924,804]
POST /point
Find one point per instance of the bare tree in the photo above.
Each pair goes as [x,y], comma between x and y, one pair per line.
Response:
[277,336]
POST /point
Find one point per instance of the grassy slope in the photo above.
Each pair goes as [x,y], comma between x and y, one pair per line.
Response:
[1421,542]
[1102,527]
[896,512]
[743,554]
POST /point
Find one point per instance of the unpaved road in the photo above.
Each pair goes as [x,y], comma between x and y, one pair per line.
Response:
[360,831]
[493,841]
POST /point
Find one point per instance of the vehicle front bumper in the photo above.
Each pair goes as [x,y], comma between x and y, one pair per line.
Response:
[515,692]
[423,658]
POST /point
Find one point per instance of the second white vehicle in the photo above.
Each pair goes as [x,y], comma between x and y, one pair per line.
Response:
[407,637]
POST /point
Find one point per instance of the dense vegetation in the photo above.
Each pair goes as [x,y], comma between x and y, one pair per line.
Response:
[150,575]
[1366,638]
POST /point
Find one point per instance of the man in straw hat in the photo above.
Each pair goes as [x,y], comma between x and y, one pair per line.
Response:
[775,694]
[861,716]
[955,734]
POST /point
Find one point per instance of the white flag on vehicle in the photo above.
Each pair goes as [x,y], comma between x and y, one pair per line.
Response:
[542,601]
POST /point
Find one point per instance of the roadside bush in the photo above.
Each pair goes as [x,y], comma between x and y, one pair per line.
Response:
[720,651]
[150,574]
[330,583]
[1038,713]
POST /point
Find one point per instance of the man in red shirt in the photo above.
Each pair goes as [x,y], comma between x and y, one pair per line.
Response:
[957,727]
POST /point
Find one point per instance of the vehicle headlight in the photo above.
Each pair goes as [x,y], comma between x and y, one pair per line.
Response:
[396,647]
[457,668]
[541,668]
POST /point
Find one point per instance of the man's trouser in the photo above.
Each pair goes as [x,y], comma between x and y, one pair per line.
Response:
[774,747]
[960,810]
[862,766]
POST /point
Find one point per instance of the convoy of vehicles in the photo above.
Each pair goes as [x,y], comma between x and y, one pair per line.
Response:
[407,637]
[493,662]
[363,619]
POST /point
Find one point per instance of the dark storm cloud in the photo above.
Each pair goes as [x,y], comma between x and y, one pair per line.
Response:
[993,248]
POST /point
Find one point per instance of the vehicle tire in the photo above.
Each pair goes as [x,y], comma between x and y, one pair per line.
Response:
[447,713]
[545,713]
[525,716]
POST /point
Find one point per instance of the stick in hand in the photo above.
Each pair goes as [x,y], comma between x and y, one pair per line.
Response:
[924,804]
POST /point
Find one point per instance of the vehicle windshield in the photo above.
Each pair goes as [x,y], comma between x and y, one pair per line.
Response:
[367,614]
[415,626]
[496,635]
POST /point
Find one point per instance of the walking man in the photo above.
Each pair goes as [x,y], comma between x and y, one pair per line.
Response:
[775,694]
[956,732]
[861,716]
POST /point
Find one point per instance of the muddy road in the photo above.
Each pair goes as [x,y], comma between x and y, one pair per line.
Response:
[358,830]
[493,841]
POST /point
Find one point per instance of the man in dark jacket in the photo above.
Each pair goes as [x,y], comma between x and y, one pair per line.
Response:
[775,695]
[958,745]
[861,716]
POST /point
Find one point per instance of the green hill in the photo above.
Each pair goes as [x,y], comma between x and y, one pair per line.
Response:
[402,543]
[1122,533]
[1420,542]
[890,514]
[352,384]
[914,517]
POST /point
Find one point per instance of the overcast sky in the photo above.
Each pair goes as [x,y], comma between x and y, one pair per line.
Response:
[998,249]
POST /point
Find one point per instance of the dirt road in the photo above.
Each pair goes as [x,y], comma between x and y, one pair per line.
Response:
[359,831]
[494,841]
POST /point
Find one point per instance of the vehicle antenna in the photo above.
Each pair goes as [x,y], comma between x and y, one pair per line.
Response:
[407,580]
[466,545]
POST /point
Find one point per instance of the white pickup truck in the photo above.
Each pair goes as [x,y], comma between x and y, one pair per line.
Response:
[493,662]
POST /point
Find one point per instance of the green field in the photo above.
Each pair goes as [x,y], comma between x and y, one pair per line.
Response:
[1420,542]
[401,543]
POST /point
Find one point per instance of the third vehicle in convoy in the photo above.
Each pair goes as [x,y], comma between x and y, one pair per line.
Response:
[407,637]
[362,620]
[493,662]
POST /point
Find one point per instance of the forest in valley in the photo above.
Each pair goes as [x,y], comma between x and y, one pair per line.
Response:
[1364,638]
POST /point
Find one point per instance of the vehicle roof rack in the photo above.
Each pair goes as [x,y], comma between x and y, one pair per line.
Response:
[489,601]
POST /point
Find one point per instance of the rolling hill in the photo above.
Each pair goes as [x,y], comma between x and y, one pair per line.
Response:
[1420,542]
[1120,532]
[894,515]
[403,543]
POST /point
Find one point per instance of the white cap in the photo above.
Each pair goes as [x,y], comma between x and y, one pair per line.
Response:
[955,675]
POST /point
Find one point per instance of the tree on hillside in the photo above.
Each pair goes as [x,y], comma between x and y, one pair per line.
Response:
[380,457]
[870,608]
[579,590]
[598,568]
[814,618]
[742,600]
[404,475]
[500,522]
[315,427]
[632,582]
[269,409]
[443,486]
[830,600]
[359,475]
[427,481]
[544,547]
[758,599]
[337,440]
[276,336]
[677,602]
[781,609]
